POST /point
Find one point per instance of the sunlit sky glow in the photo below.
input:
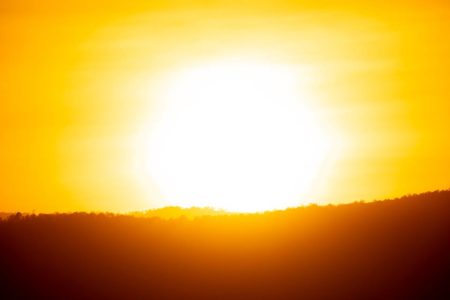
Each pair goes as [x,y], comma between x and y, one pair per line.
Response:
[97,95]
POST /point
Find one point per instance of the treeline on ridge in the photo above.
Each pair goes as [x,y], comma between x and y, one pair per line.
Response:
[396,249]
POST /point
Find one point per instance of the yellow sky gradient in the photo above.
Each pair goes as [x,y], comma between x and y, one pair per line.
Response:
[79,82]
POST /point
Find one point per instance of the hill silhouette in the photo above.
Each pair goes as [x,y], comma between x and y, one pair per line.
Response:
[396,249]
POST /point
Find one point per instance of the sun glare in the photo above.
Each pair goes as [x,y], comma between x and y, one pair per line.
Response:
[236,135]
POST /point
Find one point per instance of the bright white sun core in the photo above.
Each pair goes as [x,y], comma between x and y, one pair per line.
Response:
[237,136]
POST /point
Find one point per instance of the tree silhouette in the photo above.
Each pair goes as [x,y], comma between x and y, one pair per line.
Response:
[396,249]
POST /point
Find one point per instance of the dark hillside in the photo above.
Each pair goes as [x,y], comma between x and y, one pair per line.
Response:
[398,249]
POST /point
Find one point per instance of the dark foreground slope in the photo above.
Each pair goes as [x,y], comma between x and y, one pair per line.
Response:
[396,249]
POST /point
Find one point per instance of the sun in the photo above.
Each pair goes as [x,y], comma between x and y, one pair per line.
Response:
[235,135]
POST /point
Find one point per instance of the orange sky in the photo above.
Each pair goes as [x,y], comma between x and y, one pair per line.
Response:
[79,80]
